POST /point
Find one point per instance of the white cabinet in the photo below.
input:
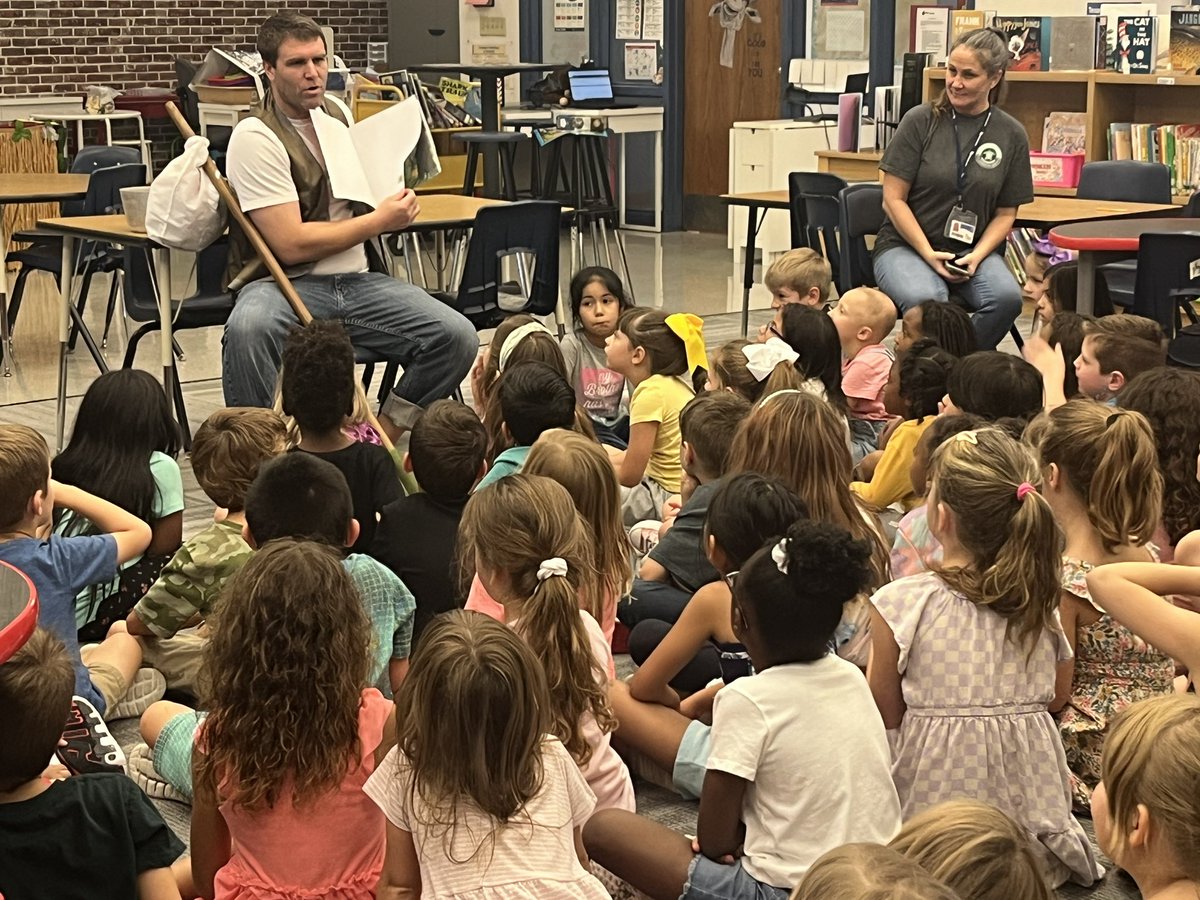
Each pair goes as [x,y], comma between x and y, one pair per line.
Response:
[761,155]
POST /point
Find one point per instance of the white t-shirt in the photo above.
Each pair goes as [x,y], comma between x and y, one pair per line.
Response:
[258,168]
[810,740]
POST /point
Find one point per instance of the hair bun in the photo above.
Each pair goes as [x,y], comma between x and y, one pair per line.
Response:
[821,552]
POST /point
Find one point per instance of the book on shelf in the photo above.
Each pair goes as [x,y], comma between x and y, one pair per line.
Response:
[1184,45]
[964,20]
[1065,132]
[1177,146]
[1137,46]
[1028,39]
[1111,12]
[1077,43]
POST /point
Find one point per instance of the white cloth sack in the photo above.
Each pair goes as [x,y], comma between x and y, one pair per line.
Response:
[184,210]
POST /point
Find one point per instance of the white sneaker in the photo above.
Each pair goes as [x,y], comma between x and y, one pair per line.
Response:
[142,771]
[643,535]
[147,686]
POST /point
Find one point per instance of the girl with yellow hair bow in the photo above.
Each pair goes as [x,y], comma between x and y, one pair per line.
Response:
[663,358]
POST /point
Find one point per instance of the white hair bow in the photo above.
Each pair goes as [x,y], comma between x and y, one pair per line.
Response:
[780,556]
[518,335]
[549,568]
[761,359]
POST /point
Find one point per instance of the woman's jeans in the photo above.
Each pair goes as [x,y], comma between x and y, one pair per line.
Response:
[993,296]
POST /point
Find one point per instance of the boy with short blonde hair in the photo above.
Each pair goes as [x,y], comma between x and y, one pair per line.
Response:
[227,452]
[864,317]
[799,276]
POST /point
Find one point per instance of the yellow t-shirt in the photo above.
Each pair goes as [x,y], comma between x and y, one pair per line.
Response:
[659,399]
[891,481]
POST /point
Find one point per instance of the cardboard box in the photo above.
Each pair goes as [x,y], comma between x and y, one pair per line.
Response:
[220,62]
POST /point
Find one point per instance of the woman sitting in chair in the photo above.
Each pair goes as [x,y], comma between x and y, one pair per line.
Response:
[954,175]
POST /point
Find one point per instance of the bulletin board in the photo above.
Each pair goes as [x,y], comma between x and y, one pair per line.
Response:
[842,30]
[635,36]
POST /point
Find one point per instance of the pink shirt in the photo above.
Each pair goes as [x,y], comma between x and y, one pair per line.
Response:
[863,379]
[331,848]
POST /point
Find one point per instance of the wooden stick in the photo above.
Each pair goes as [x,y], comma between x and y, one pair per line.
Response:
[261,248]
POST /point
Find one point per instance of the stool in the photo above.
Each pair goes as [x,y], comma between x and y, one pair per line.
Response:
[535,150]
[504,141]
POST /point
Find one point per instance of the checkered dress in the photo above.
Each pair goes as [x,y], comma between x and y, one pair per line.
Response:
[977,724]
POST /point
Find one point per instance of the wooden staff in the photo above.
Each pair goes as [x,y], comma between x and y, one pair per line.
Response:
[261,248]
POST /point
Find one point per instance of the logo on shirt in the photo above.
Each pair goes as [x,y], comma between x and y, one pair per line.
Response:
[989,156]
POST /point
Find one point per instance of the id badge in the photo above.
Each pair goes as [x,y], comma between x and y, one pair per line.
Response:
[961,225]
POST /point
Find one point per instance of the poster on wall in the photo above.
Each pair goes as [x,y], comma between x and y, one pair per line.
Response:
[733,15]
[629,20]
[845,31]
[641,61]
[652,20]
[569,15]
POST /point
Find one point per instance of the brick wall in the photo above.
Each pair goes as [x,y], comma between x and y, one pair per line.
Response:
[58,46]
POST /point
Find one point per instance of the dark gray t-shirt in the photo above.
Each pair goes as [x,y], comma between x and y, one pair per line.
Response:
[922,153]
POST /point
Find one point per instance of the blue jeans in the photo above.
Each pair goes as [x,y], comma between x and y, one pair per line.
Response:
[399,321]
[708,880]
[993,296]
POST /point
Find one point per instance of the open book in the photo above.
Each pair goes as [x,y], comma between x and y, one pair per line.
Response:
[379,156]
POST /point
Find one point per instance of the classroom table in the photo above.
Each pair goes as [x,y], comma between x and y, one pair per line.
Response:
[489,76]
[1103,241]
[106,119]
[34,187]
[18,610]
[113,229]
[1042,212]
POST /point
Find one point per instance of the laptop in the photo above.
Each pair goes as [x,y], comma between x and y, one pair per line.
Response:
[592,89]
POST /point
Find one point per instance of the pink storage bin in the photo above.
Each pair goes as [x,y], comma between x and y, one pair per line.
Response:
[1056,169]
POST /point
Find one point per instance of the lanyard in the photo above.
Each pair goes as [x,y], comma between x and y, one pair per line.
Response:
[960,166]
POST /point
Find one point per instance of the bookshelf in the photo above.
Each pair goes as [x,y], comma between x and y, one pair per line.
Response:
[1165,97]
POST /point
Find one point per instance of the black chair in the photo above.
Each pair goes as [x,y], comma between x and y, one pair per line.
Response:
[45,253]
[861,214]
[209,306]
[518,230]
[1164,288]
[506,144]
[1128,181]
[816,213]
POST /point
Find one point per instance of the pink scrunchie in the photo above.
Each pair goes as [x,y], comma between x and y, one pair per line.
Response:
[1024,489]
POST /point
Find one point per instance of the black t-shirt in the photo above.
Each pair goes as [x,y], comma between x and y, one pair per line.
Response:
[922,153]
[373,481]
[681,551]
[88,836]
[417,539]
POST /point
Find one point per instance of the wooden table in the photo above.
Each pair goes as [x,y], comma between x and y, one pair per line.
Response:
[1099,242]
[113,229]
[1047,212]
[853,165]
[18,610]
[28,188]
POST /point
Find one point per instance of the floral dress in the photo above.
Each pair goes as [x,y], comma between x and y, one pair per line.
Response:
[1113,668]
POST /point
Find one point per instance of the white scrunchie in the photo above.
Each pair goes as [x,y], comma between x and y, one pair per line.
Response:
[549,568]
[518,335]
[761,359]
[780,556]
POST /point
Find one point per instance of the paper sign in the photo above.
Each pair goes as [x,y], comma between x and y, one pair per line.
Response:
[1194,269]
[366,161]
[641,61]
[652,20]
[569,15]
[629,20]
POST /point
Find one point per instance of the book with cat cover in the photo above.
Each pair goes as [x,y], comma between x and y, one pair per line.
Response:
[1111,11]
[1184,45]
[1136,48]
[1077,43]
[1028,41]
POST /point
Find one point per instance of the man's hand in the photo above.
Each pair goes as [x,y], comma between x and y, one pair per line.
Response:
[397,212]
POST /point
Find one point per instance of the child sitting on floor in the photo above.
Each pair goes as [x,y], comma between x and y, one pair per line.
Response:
[864,317]
[661,355]
[95,835]
[483,801]
[417,536]
[597,301]
[533,555]
[60,567]
[533,398]
[994,385]
[293,732]
[729,369]
[946,324]
[1116,349]
[318,392]
[869,872]
[964,658]
[814,363]
[227,452]
[803,778]
[802,275]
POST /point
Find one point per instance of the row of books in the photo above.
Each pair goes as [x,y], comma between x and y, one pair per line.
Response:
[449,104]
[1017,248]
[1129,37]
[1178,146]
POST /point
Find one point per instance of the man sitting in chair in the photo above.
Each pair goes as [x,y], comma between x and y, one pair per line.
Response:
[276,167]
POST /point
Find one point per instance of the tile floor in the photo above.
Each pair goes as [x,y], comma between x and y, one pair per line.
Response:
[678,272]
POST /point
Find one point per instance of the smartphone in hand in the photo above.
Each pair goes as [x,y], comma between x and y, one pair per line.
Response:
[954,268]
